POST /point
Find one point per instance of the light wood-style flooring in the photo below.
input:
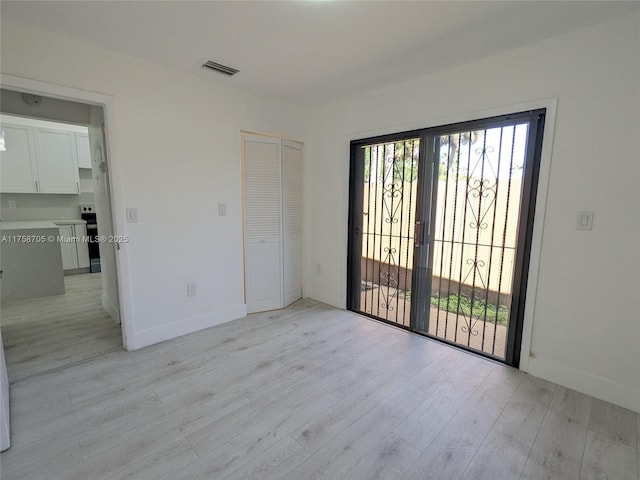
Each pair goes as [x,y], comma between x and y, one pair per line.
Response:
[47,333]
[309,392]
[449,326]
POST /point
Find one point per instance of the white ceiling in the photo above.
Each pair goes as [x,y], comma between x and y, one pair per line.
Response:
[313,51]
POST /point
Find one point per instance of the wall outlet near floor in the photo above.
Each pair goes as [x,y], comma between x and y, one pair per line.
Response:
[191,289]
[12,204]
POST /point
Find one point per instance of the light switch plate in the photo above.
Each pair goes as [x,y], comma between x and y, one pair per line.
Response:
[584,221]
[132,215]
[222,209]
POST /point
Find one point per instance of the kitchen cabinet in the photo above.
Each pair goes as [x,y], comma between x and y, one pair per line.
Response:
[68,249]
[56,160]
[73,246]
[40,159]
[17,163]
[83,150]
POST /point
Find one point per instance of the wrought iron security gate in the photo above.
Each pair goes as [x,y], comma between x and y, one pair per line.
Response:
[387,206]
[440,230]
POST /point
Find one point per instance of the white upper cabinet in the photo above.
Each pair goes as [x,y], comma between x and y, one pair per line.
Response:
[17,163]
[83,149]
[56,159]
[41,156]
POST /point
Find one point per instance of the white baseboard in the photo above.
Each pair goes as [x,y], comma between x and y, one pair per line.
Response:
[150,336]
[623,395]
[324,297]
[111,308]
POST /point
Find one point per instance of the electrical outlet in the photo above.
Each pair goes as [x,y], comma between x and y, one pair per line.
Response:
[191,289]
[12,204]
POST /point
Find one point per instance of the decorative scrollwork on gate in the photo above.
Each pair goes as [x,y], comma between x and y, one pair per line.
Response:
[388,279]
[478,291]
[481,191]
[392,190]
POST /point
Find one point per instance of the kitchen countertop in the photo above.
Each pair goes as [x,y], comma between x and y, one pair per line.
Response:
[27,225]
[70,221]
[33,224]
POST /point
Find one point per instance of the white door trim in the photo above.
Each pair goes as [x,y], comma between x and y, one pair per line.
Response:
[27,85]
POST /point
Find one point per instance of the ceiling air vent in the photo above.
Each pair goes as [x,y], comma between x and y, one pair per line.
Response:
[230,71]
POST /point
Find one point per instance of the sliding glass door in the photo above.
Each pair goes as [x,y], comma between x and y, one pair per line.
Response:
[440,228]
[387,185]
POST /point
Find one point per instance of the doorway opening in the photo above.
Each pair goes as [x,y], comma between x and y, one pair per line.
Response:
[441,221]
[49,141]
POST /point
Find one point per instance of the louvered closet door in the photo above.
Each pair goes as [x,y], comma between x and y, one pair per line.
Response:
[292,220]
[262,223]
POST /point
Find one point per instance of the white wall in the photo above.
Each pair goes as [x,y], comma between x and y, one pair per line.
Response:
[586,330]
[174,139]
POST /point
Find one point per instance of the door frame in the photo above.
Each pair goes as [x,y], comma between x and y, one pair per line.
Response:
[550,104]
[116,195]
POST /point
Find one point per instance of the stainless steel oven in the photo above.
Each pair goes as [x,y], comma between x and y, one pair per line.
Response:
[88,214]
